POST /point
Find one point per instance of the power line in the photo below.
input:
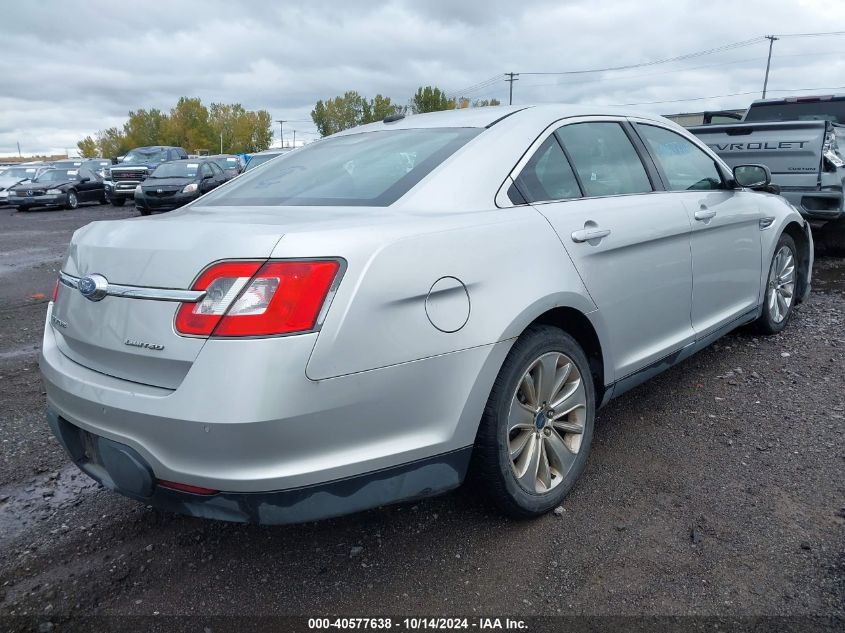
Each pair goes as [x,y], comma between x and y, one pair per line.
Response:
[710,51]
[811,34]
[733,94]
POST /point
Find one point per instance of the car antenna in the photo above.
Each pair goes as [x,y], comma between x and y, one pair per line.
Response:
[394,117]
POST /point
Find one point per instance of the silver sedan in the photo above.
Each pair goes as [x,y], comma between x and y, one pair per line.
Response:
[365,319]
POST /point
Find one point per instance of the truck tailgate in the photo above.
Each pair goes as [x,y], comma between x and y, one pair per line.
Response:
[791,150]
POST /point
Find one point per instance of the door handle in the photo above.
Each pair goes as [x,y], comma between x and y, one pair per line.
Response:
[585,235]
[705,214]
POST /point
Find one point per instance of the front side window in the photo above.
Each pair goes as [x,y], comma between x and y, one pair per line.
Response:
[547,175]
[604,158]
[686,167]
[365,169]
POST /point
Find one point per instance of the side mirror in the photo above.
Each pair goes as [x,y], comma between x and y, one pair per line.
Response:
[752,176]
[84,179]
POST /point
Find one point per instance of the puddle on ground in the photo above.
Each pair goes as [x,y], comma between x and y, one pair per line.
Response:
[829,275]
[25,504]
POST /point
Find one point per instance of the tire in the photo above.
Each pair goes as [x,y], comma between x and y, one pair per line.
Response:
[143,211]
[72,200]
[23,209]
[833,237]
[118,202]
[781,284]
[105,199]
[559,449]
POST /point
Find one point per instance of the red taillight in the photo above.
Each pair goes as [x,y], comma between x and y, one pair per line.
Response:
[195,490]
[251,299]
[55,292]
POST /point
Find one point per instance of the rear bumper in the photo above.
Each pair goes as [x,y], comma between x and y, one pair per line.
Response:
[816,205]
[246,419]
[120,468]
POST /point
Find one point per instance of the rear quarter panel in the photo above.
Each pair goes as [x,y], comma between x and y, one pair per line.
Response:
[509,261]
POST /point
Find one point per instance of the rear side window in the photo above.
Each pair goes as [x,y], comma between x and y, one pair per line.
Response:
[547,175]
[365,169]
[684,165]
[604,158]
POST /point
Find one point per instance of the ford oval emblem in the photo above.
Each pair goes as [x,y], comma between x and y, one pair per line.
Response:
[94,287]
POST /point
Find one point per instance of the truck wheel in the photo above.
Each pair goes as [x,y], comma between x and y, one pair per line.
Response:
[780,287]
[536,431]
[118,202]
[833,237]
[72,200]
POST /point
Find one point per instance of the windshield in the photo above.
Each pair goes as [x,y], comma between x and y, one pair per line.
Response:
[227,163]
[58,175]
[176,170]
[259,159]
[366,169]
[798,111]
[146,156]
[19,172]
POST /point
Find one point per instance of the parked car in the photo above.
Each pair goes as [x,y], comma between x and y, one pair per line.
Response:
[259,158]
[66,188]
[14,175]
[802,141]
[354,323]
[177,183]
[137,164]
[231,164]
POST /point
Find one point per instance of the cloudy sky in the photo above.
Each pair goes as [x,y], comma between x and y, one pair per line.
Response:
[72,68]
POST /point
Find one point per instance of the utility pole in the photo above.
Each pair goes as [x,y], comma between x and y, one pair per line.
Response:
[294,139]
[771,39]
[19,149]
[281,133]
[511,77]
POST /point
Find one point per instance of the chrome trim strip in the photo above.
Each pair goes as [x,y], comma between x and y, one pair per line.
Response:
[141,292]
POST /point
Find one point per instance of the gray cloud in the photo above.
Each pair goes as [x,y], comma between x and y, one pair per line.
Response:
[69,69]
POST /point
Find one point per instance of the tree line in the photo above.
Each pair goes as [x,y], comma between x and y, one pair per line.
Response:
[351,108]
[190,124]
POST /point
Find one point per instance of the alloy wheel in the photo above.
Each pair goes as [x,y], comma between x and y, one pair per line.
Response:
[781,287]
[546,422]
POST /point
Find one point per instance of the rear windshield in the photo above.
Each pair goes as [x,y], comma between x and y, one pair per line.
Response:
[176,170]
[802,111]
[20,172]
[366,169]
[227,163]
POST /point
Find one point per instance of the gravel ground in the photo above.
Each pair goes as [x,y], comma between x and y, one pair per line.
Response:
[715,489]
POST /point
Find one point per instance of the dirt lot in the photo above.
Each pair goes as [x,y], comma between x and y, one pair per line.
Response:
[715,489]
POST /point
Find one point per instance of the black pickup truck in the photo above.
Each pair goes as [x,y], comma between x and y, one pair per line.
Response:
[138,163]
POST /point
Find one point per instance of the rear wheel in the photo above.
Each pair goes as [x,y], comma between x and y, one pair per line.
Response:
[780,287]
[537,427]
[72,200]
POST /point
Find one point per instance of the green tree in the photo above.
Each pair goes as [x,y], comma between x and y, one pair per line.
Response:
[242,130]
[112,143]
[480,103]
[144,127]
[430,99]
[378,108]
[88,148]
[188,126]
[340,113]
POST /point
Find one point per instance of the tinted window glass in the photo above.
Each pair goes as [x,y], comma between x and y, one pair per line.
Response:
[604,158]
[798,111]
[369,168]
[686,167]
[548,175]
[180,169]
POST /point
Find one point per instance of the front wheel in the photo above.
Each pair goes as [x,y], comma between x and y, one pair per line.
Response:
[537,428]
[72,200]
[118,201]
[780,287]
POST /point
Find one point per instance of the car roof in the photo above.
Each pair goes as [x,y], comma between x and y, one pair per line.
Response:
[202,159]
[488,116]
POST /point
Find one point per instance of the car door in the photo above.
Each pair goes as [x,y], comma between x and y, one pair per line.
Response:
[88,190]
[629,243]
[206,178]
[725,241]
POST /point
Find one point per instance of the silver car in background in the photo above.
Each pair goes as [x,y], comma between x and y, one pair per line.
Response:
[363,320]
